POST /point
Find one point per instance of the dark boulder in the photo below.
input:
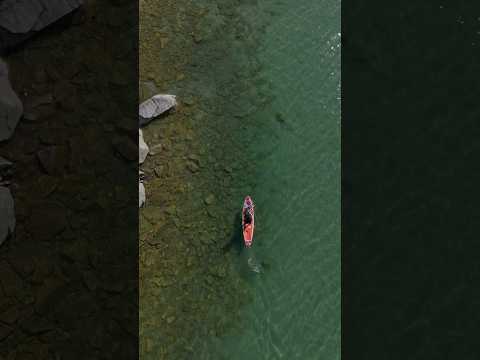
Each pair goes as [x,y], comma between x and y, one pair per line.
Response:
[20,19]
[11,108]
[7,214]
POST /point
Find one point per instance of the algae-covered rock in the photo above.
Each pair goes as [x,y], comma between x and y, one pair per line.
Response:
[209,199]
[154,214]
[193,167]
[171,210]
[222,271]
[145,226]
[156,149]
[194,158]
[147,90]
[158,170]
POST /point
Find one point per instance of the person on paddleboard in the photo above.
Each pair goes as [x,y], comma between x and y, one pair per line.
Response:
[248,221]
[248,217]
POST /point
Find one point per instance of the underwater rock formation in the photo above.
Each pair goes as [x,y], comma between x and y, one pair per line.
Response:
[147,111]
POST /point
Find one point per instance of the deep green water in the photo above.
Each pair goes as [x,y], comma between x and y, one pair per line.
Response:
[274,83]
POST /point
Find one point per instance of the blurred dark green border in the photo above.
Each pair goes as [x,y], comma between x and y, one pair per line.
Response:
[409,188]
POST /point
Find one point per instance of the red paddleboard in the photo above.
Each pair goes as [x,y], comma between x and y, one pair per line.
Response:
[248,221]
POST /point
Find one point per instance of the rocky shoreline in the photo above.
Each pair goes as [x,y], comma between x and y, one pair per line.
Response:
[190,293]
[74,154]
[187,288]
[147,111]
[20,20]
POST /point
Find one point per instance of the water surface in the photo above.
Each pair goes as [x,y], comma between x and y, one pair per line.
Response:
[292,143]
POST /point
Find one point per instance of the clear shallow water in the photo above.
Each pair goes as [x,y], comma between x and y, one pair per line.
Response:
[264,78]
[294,143]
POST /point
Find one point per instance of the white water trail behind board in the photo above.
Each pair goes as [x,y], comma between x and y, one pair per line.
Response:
[252,262]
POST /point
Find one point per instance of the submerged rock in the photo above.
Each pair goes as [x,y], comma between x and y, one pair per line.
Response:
[7,214]
[156,149]
[155,106]
[11,107]
[158,171]
[209,199]
[142,148]
[195,159]
[193,167]
[147,89]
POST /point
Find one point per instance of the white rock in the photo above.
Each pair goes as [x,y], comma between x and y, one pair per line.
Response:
[155,106]
[142,148]
[11,108]
[7,213]
[141,194]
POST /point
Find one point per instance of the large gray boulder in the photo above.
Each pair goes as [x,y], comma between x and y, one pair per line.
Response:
[22,16]
[7,214]
[20,19]
[155,106]
[11,107]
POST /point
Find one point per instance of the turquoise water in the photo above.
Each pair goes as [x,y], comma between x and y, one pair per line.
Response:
[292,138]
